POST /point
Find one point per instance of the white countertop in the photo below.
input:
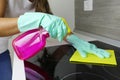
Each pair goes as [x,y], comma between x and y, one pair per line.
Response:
[18,66]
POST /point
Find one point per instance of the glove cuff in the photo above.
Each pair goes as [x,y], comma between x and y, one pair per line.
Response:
[73,40]
[28,21]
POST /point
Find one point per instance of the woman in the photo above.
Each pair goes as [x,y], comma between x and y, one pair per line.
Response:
[57,27]
[9,11]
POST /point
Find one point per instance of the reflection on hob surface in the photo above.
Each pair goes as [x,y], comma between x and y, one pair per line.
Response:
[55,61]
[111,73]
[83,76]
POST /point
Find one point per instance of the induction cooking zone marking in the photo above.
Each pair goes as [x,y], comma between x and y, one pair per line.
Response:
[114,72]
[87,73]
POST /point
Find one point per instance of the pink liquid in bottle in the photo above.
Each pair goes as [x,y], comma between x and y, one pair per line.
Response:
[30,43]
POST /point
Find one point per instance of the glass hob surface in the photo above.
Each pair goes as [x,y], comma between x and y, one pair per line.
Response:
[54,63]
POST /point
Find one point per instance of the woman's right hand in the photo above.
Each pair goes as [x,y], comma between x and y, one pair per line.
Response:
[56,26]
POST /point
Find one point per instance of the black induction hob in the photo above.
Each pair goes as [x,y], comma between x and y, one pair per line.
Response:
[108,72]
[55,62]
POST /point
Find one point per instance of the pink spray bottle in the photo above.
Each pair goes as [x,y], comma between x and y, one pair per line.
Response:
[30,43]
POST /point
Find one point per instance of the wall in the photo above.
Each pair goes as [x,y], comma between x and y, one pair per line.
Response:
[64,8]
[104,20]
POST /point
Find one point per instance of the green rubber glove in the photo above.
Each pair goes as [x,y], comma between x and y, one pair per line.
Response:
[85,47]
[53,24]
